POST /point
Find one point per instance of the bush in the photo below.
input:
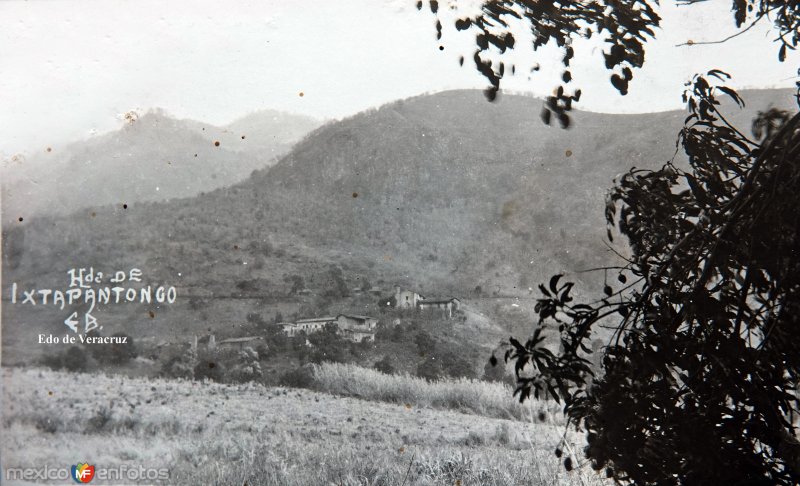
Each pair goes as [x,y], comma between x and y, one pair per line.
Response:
[328,345]
[181,366]
[72,359]
[455,366]
[430,369]
[247,367]
[296,284]
[494,372]
[383,332]
[248,285]
[384,365]
[425,343]
[255,318]
[209,369]
[399,334]
[302,377]
[115,353]
[274,338]
[336,286]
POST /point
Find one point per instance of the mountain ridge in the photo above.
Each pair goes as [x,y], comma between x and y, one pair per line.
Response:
[147,160]
[443,194]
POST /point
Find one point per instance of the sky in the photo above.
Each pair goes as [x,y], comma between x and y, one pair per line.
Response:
[72,68]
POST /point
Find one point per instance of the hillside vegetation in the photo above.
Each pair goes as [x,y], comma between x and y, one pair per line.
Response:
[416,193]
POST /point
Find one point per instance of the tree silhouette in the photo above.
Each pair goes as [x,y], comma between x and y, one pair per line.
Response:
[699,381]
[623,26]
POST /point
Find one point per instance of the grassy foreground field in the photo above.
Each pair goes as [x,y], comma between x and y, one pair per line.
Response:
[489,399]
[207,433]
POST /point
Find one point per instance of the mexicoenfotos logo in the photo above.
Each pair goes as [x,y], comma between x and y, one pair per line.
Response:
[82,473]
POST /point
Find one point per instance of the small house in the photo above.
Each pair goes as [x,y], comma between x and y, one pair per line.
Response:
[447,306]
[356,328]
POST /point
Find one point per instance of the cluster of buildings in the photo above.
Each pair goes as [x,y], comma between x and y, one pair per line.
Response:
[359,328]
[352,327]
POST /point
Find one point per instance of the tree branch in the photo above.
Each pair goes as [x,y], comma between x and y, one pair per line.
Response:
[721,41]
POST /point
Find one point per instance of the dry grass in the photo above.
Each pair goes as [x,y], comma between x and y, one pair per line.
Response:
[463,395]
[208,433]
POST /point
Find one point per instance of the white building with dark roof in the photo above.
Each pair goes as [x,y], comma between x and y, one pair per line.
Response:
[447,306]
[354,327]
[407,299]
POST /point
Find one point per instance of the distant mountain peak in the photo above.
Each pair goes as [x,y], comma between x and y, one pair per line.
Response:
[143,161]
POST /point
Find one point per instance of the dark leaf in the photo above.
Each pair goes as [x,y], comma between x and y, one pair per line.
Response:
[554,282]
[546,116]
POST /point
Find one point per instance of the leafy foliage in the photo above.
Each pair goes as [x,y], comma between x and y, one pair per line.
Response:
[329,345]
[700,378]
[73,358]
[247,367]
[385,365]
[181,365]
[302,377]
[699,382]
[115,353]
[623,26]
[208,367]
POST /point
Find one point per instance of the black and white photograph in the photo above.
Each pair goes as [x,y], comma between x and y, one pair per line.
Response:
[400,242]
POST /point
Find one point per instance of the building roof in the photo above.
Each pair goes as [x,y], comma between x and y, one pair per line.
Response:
[438,301]
[356,316]
[239,339]
[315,319]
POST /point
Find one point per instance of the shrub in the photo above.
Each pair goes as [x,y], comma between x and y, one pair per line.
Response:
[494,371]
[209,369]
[115,353]
[425,343]
[182,365]
[328,345]
[99,420]
[302,377]
[430,369]
[456,366]
[247,367]
[384,365]
[72,359]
